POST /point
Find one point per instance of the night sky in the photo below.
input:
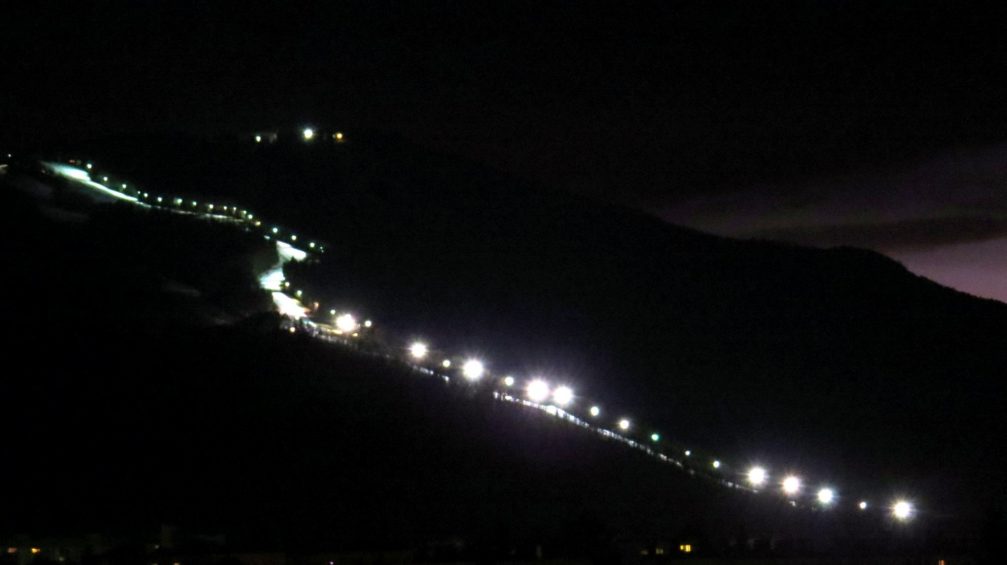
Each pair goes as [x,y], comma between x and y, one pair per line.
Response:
[825,123]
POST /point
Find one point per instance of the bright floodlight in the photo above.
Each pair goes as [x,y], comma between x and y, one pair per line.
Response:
[562,396]
[716,464]
[757,476]
[655,437]
[346,323]
[508,381]
[446,363]
[368,323]
[418,350]
[826,496]
[537,390]
[258,139]
[862,505]
[624,424]
[902,510]
[308,134]
[688,452]
[473,369]
[791,485]
[595,411]
[89,166]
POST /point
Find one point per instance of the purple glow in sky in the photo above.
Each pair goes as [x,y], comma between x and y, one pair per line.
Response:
[944,218]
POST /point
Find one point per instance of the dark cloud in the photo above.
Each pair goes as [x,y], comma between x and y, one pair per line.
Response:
[904,235]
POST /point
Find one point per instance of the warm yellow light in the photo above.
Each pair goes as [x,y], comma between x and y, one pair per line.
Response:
[338,136]
[685,548]
[35,551]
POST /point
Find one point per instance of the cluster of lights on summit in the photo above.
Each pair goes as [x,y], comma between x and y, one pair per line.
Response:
[535,392]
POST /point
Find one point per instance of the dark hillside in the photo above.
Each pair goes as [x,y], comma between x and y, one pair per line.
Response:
[838,362]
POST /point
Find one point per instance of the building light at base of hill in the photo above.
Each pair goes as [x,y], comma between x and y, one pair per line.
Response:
[562,396]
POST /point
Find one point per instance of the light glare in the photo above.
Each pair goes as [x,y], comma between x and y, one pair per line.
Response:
[473,369]
[902,510]
[562,396]
[595,411]
[537,390]
[826,496]
[757,476]
[346,323]
[624,424]
[791,485]
[418,350]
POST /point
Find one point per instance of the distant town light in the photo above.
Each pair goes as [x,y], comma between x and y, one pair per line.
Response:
[826,496]
[418,350]
[688,452]
[862,505]
[258,139]
[757,476]
[368,323]
[446,363]
[473,369]
[716,464]
[624,424]
[338,136]
[537,390]
[595,411]
[508,381]
[308,134]
[655,437]
[89,165]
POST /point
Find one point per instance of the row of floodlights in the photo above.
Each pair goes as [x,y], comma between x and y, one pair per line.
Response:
[308,134]
[539,391]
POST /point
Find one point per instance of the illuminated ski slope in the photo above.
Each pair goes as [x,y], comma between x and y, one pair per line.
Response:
[535,393]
